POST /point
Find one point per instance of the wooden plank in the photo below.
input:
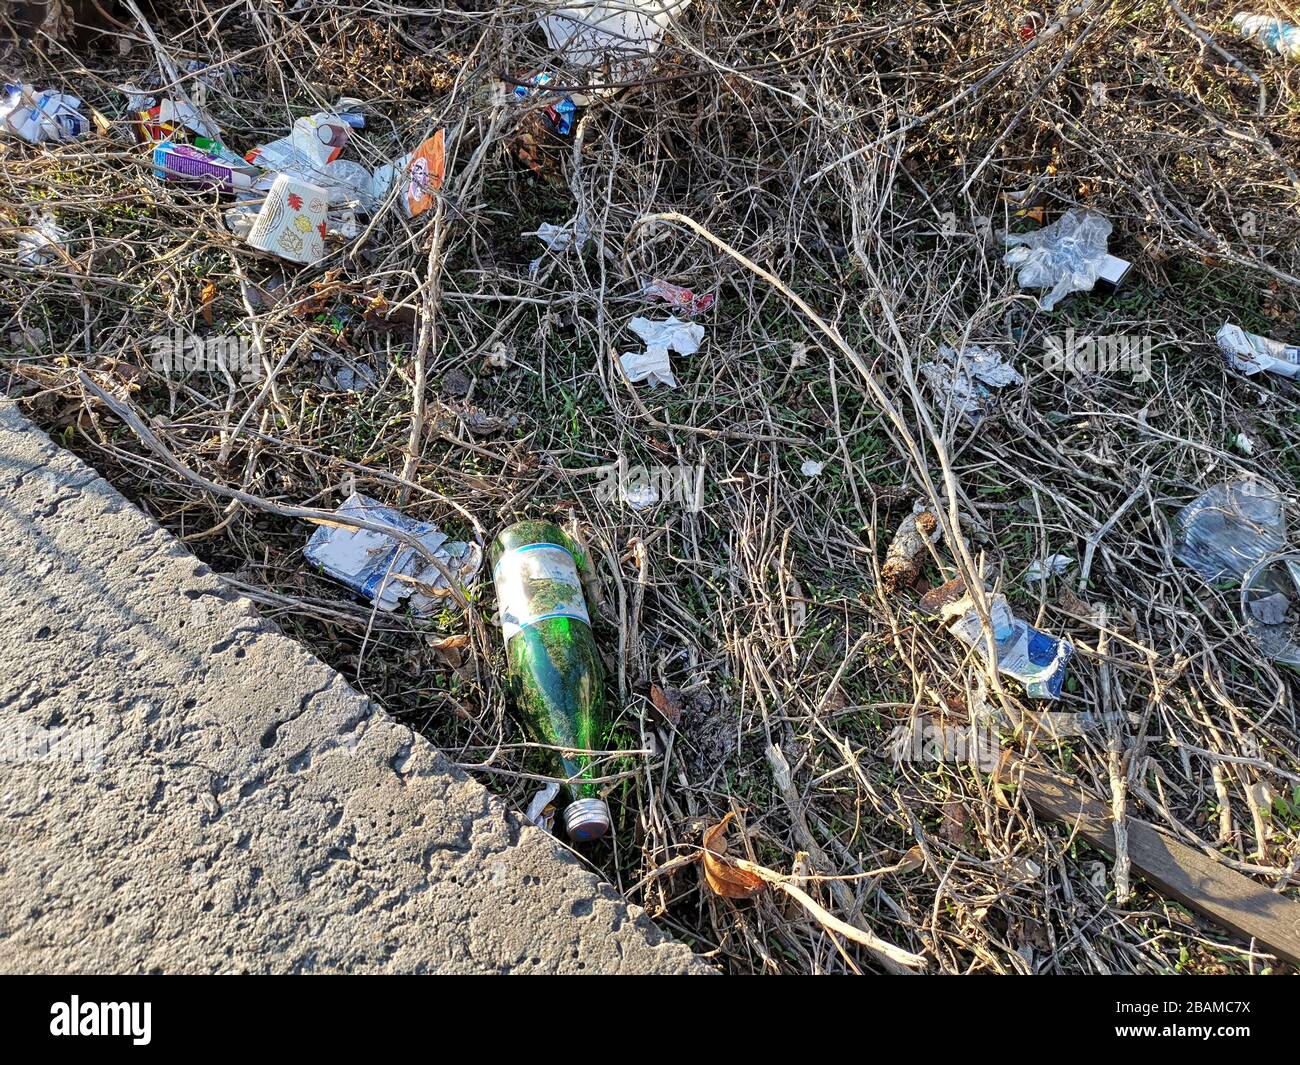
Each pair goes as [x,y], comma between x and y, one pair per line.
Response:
[1173,868]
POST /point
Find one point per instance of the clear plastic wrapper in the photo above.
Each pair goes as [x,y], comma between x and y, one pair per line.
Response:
[968,380]
[1067,256]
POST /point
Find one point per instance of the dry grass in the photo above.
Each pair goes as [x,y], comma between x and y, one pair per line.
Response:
[821,149]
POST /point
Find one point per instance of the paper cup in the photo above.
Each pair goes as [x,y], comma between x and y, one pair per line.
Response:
[291,223]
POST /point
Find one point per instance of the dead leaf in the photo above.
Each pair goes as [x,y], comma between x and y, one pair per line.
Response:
[448,649]
[798,604]
[1074,606]
[207,295]
[668,704]
[953,826]
[447,643]
[719,873]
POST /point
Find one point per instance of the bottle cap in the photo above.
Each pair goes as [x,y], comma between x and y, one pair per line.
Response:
[586,819]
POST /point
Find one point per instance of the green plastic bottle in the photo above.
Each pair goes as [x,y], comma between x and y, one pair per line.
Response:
[554,669]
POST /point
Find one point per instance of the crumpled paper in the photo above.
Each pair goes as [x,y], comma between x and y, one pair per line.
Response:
[653,365]
[384,570]
[1067,256]
[40,244]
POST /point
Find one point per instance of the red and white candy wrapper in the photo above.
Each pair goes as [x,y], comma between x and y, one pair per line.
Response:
[682,298]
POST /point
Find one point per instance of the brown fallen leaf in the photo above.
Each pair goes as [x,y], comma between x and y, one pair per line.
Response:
[668,704]
[448,649]
[724,877]
[447,643]
[914,859]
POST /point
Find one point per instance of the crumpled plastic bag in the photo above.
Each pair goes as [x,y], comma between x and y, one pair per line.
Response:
[967,380]
[571,234]
[1227,530]
[1066,256]
[660,338]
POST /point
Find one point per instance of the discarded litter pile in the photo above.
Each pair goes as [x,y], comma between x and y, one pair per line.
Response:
[293,195]
[827,389]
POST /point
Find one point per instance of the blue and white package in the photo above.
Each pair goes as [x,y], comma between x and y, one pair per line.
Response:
[1034,658]
[384,570]
[41,116]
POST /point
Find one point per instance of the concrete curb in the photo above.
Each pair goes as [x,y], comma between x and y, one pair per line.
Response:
[250,811]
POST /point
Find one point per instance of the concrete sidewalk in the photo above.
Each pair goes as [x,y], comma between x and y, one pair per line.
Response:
[251,812]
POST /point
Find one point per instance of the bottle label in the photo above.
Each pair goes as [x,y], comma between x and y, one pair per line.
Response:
[537,582]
